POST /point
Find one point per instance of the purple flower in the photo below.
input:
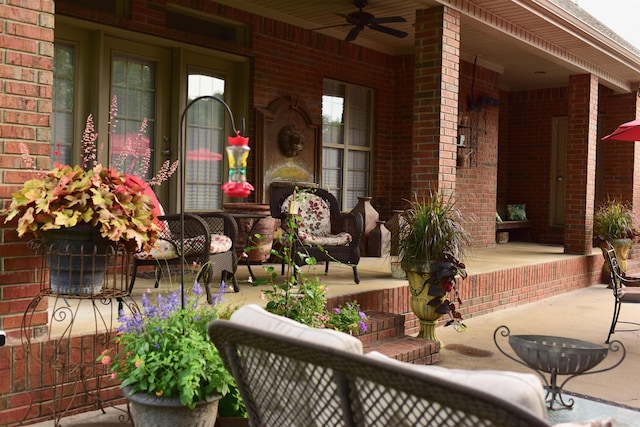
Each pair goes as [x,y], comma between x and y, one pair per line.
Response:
[363,326]
[337,310]
[362,315]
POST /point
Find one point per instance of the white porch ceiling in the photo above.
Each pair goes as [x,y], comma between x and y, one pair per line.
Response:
[531,43]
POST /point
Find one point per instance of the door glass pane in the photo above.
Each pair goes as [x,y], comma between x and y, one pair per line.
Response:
[64,74]
[132,143]
[204,144]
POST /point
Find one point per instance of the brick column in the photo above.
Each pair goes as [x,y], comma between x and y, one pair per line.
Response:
[25,108]
[435,105]
[581,163]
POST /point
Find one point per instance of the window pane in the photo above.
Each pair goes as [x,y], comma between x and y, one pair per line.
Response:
[359,116]
[133,136]
[205,141]
[332,170]
[63,103]
[358,177]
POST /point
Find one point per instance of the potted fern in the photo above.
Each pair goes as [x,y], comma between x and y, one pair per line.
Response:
[432,240]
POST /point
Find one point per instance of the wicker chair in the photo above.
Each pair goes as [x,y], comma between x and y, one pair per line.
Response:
[626,289]
[209,240]
[323,232]
[292,375]
[221,260]
[166,252]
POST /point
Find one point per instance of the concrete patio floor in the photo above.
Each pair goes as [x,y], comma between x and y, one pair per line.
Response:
[584,314]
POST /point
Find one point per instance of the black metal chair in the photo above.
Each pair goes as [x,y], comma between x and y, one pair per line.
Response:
[626,289]
[324,233]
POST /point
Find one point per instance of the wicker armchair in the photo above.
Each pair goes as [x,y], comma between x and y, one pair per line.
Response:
[223,260]
[291,375]
[166,252]
[323,231]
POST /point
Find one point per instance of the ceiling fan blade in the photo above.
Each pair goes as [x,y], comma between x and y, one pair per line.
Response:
[389,20]
[353,34]
[390,31]
[330,26]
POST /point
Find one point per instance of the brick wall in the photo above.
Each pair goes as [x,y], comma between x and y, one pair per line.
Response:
[476,186]
[435,100]
[581,163]
[489,292]
[26,72]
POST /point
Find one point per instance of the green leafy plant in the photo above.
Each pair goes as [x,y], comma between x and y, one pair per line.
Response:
[615,219]
[301,297]
[164,350]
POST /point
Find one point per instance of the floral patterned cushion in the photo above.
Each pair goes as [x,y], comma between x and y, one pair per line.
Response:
[315,220]
[164,249]
[219,243]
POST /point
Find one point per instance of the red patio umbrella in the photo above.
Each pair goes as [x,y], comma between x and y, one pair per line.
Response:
[629,131]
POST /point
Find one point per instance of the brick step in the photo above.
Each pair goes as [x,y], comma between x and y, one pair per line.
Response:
[382,325]
[407,349]
[386,335]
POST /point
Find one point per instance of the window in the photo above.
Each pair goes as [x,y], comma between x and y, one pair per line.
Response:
[346,141]
[64,73]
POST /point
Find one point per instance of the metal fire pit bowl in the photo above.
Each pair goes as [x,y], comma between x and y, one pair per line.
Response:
[567,356]
[557,356]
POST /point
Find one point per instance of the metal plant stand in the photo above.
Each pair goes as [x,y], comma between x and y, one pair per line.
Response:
[557,356]
[80,326]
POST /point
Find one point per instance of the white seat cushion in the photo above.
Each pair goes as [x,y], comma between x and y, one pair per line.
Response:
[524,390]
[257,317]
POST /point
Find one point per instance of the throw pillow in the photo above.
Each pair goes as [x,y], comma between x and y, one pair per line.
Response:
[516,212]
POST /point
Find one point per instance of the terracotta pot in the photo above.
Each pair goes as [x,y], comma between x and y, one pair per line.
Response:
[265,227]
[370,217]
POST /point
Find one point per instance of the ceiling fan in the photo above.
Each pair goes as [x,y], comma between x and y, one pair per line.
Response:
[361,19]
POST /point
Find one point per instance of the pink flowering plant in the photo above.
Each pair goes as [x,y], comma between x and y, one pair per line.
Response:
[164,350]
[117,203]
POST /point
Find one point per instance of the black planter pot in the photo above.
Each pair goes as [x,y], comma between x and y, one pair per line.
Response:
[77,258]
